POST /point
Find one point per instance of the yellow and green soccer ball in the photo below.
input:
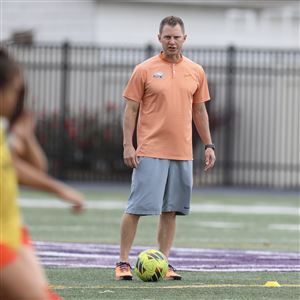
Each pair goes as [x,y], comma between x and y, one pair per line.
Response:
[151,265]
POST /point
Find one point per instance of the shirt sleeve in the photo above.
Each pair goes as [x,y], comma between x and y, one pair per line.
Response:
[202,92]
[135,87]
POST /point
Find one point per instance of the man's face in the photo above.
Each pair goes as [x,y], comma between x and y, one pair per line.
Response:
[172,39]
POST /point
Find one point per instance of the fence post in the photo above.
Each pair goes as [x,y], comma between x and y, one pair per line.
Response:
[229,109]
[149,51]
[64,94]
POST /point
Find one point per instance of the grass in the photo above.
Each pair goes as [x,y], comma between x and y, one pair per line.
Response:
[252,231]
[99,284]
[249,231]
[103,227]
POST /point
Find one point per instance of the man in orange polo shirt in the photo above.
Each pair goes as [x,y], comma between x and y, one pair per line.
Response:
[167,92]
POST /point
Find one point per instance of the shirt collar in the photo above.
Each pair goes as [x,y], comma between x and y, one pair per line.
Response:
[163,57]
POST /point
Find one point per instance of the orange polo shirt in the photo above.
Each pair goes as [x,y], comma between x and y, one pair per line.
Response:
[166,92]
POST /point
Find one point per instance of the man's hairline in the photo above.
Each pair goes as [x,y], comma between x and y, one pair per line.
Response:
[183,32]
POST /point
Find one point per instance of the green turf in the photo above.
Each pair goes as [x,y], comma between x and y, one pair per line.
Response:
[99,284]
[102,226]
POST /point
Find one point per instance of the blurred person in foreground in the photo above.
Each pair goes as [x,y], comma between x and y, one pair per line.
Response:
[29,159]
[21,275]
[166,93]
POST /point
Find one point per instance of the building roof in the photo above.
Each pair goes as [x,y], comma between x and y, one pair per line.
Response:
[258,4]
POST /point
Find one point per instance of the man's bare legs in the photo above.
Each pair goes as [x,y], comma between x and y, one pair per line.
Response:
[165,237]
[166,232]
[128,230]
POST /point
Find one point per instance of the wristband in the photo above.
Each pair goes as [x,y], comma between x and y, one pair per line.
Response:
[212,146]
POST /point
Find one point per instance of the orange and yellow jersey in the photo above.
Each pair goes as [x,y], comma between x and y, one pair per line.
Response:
[10,219]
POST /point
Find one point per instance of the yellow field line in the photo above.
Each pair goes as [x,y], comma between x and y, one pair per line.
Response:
[152,285]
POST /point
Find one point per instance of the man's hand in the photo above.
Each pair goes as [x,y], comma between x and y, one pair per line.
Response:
[210,159]
[130,158]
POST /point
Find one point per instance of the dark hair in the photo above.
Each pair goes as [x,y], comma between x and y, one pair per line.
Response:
[8,70]
[19,106]
[172,21]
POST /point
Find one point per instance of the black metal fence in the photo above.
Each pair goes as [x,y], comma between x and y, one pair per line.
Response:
[76,92]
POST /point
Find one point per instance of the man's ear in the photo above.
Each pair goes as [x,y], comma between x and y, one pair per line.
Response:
[159,37]
[184,37]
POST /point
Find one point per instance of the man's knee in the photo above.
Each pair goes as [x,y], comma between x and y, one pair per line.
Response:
[168,214]
[129,216]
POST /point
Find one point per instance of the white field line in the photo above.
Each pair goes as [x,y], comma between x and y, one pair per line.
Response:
[53,255]
[54,203]
[220,225]
[193,251]
[72,228]
[246,209]
[289,227]
[207,208]
[232,225]
[208,257]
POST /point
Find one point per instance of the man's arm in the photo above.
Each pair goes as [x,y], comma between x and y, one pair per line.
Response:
[129,122]
[200,118]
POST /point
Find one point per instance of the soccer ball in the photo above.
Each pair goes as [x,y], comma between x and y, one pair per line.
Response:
[151,265]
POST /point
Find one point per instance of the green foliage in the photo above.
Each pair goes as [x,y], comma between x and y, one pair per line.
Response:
[82,142]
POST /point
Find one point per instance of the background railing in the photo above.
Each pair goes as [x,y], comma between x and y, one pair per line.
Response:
[76,92]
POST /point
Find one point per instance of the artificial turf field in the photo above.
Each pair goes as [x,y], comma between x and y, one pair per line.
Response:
[221,220]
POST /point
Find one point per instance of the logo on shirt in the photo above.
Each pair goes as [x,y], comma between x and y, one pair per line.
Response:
[188,75]
[158,75]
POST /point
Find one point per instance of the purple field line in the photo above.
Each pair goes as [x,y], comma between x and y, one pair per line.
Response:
[187,251]
[77,255]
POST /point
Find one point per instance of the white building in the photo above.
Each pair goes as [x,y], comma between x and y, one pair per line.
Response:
[255,23]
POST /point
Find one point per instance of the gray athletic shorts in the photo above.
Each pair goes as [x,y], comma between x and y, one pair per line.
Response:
[161,185]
